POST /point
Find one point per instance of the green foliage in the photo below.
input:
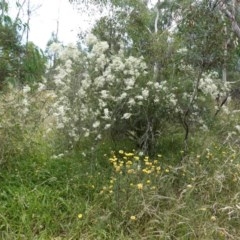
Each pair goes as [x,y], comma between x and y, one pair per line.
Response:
[107,30]
[33,65]
[19,63]
[128,24]
[10,48]
[206,37]
[130,196]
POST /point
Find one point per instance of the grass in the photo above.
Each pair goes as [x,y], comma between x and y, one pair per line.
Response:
[93,196]
[108,190]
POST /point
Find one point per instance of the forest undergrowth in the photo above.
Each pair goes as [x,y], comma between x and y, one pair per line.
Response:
[111,191]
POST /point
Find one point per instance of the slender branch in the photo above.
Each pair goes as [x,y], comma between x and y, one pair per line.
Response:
[19,11]
[220,106]
[187,112]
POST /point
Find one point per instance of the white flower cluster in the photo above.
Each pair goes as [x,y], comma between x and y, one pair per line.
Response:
[211,84]
[111,88]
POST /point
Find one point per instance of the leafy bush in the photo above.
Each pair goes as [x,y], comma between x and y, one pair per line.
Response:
[113,94]
[100,92]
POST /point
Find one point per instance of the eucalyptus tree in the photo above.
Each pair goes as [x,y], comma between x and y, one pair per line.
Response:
[205,27]
[142,27]
[207,47]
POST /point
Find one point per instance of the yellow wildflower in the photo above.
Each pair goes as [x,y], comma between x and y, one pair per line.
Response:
[130,171]
[80,216]
[148,163]
[129,163]
[117,168]
[112,160]
[133,218]
[146,159]
[140,186]
[213,218]
[158,168]
[129,154]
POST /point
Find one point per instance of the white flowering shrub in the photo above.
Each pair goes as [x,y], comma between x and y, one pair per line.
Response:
[210,84]
[213,97]
[99,92]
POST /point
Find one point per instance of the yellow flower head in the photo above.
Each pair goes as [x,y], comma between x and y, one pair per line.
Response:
[129,163]
[129,171]
[80,216]
[117,168]
[133,218]
[213,218]
[129,154]
[140,186]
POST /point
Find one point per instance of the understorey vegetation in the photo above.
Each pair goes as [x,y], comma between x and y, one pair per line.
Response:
[131,133]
